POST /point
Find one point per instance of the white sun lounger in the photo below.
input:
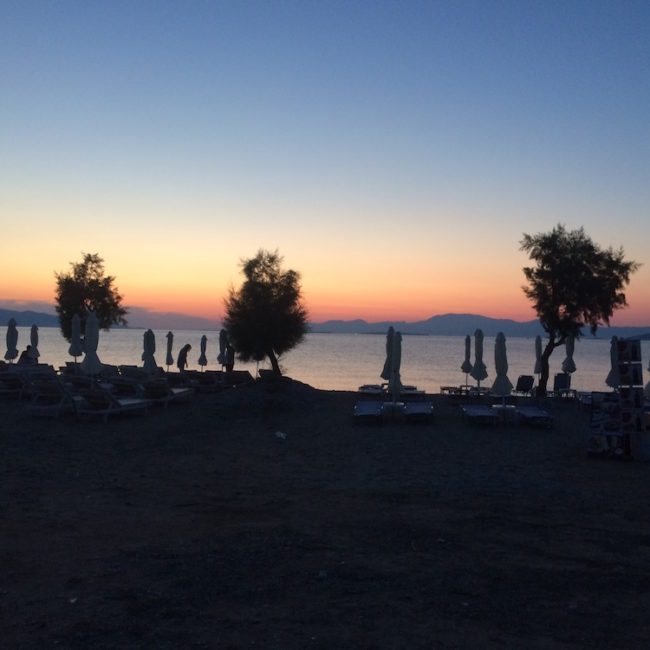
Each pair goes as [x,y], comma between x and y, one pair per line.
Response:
[480,414]
[418,411]
[366,410]
[51,398]
[535,416]
[102,403]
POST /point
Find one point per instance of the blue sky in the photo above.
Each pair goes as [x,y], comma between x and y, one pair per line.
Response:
[357,137]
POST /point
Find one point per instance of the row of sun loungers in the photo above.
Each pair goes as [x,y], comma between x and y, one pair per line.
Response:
[104,404]
[491,415]
[375,404]
[116,390]
[375,411]
[534,416]
[114,393]
[53,399]
[525,387]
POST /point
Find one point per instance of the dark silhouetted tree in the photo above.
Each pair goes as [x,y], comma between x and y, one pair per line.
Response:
[574,284]
[84,289]
[266,317]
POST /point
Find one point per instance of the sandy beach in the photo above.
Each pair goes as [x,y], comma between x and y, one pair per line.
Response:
[262,516]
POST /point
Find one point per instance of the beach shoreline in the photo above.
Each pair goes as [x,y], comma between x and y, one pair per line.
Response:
[263,516]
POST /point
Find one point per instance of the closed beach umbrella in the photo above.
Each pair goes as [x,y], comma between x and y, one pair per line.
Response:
[223,346]
[613,379]
[647,386]
[75,350]
[12,340]
[479,371]
[33,340]
[538,356]
[502,386]
[467,365]
[385,373]
[91,365]
[169,359]
[395,381]
[203,359]
[568,365]
[148,351]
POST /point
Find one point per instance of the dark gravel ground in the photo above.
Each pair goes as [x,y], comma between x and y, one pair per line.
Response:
[264,517]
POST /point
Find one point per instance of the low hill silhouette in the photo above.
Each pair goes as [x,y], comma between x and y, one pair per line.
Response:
[441,325]
[460,325]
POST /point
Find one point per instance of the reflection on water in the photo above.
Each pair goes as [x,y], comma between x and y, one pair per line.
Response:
[345,361]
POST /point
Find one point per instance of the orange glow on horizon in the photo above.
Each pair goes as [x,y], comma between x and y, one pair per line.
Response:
[354,290]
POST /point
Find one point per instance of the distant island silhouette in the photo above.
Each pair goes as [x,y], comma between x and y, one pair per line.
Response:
[462,324]
[138,318]
[441,325]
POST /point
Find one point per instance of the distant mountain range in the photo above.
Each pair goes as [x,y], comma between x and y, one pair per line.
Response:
[28,318]
[443,325]
[460,325]
[138,318]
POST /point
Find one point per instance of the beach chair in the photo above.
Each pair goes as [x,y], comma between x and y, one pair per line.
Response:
[377,391]
[79,382]
[418,411]
[159,391]
[462,392]
[524,385]
[562,385]
[368,411]
[109,371]
[18,380]
[134,372]
[208,381]
[185,379]
[411,393]
[237,377]
[480,414]
[125,387]
[534,416]
[103,404]
[51,398]
[11,384]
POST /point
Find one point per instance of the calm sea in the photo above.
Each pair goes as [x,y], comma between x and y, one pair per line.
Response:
[345,361]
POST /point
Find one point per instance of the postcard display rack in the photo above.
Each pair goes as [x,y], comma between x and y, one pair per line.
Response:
[618,418]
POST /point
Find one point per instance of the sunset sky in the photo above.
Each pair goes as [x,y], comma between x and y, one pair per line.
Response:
[394,152]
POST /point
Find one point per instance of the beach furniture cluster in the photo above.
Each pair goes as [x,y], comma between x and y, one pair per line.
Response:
[376,404]
[392,399]
[115,390]
[516,407]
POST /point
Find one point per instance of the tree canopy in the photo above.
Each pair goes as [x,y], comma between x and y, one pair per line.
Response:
[266,316]
[85,288]
[573,284]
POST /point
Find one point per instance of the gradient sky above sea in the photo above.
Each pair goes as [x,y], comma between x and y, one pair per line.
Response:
[394,152]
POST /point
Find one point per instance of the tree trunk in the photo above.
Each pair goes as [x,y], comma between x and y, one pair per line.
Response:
[546,354]
[274,363]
